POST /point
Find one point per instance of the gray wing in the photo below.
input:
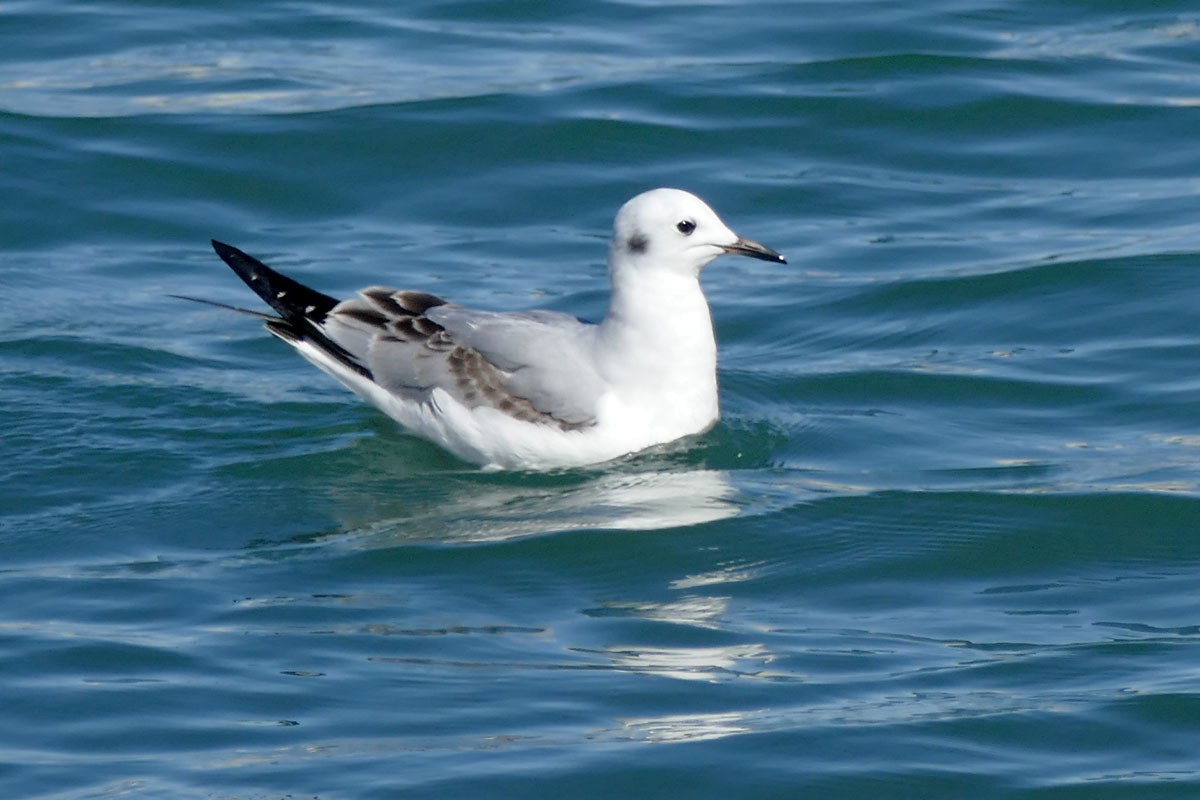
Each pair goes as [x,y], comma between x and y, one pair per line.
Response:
[533,366]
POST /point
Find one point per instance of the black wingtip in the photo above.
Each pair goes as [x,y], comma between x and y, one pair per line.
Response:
[301,310]
[292,300]
[229,253]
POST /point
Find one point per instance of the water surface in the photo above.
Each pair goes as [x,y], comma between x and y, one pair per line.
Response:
[942,544]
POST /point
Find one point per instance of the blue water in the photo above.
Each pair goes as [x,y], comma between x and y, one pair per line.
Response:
[944,543]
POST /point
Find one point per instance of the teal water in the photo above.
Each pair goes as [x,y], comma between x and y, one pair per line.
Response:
[944,543]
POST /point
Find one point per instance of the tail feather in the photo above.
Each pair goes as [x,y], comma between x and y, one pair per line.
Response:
[225,306]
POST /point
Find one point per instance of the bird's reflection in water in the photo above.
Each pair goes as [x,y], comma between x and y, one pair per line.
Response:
[471,512]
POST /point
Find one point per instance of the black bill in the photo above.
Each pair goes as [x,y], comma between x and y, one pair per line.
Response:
[746,247]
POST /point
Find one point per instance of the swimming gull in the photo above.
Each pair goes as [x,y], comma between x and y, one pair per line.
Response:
[535,389]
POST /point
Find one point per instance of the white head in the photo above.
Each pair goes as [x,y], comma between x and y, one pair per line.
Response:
[674,230]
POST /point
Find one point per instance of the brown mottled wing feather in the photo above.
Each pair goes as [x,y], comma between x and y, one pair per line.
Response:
[409,353]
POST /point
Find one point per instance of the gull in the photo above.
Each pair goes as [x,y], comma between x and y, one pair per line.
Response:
[531,390]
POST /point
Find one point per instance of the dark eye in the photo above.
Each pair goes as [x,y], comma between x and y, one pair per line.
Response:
[685,226]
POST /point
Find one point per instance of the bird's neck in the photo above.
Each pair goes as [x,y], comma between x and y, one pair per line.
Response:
[658,346]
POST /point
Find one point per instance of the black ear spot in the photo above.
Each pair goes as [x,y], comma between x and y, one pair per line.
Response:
[638,243]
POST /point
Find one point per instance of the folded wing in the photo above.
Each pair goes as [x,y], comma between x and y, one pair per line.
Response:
[531,366]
